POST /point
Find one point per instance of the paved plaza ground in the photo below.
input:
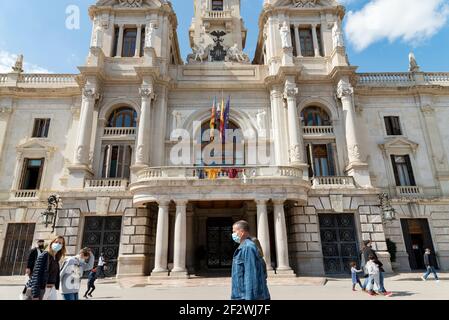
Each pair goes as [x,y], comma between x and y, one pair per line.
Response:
[404,287]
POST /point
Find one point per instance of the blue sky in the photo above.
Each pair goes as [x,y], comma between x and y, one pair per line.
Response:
[380,33]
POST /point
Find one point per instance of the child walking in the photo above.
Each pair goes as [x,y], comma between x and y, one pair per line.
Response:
[355,276]
[91,283]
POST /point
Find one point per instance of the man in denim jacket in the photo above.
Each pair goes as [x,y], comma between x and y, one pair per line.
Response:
[249,273]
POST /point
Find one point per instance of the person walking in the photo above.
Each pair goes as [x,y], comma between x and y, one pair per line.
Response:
[101,265]
[72,271]
[91,283]
[45,280]
[373,275]
[355,276]
[366,252]
[430,263]
[249,274]
[32,257]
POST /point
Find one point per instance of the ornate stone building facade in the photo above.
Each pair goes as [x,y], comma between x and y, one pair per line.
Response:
[328,142]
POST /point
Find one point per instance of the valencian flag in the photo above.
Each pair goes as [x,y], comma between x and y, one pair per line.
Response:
[222,120]
[213,120]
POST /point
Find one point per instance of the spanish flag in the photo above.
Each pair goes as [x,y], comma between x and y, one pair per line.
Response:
[212,120]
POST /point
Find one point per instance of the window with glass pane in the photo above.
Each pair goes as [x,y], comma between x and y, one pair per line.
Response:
[321,160]
[315,117]
[142,42]
[217,5]
[320,43]
[32,174]
[117,161]
[403,171]
[41,127]
[393,126]
[129,42]
[116,36]
[306,40]
[123,118]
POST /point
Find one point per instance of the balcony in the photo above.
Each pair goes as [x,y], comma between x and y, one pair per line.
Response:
[408,191]
[318,132]
[402,79]
[106,185]
[119,132]
[333,182]
[20,195]
[218,15]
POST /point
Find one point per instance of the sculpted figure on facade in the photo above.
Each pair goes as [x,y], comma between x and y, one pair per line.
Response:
[235,54]
[200,53]
[337,35]
[149,35]
[413,64]
[285,35]
[18,66]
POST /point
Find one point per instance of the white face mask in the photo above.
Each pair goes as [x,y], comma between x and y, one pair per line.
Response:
[56,247]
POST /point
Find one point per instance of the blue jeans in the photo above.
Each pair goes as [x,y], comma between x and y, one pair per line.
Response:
[429,271]
[70,296]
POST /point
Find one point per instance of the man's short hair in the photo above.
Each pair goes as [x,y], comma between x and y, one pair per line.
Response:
[242,225]
[40,240]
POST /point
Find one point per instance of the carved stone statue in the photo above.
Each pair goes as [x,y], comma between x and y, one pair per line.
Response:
[234,54]
[260,119]
[177,120]
[285,35]
[18,66]
[413,67]
[199,53]
[97,40]
[337,36]
[149,36]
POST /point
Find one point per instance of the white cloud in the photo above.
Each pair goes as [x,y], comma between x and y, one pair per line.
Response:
[411,21]
[7,60]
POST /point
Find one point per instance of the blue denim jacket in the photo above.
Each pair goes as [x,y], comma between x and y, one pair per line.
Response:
[249,274]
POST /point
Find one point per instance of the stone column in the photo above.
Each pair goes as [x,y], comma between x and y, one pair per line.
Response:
[138,41]
[345,92]
[190,259]
[161,254]
[279,129]
[356,167]
[280,231]
[297,41]
[85,127]
[144,130]
[295,138]
[316,45]
[5,112]
[263,231]
[180,247]
[120,41]
[251,216]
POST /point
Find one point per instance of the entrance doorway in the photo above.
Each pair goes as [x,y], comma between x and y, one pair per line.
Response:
[339,242]
[102,234]
[18,242]
[417,238]
[220,247]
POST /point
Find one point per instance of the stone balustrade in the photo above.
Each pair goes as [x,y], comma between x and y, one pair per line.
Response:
[408,191]
[402,79]
[239,172]
[119,132]
[40,80]
[437,77]
[326,182]
[3,78]
[106,184]
[25,194]
[322,130]
[227,14]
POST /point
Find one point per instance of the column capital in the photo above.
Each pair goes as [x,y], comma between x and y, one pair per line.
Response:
[121,25]
[261,202]
[163,203]
[344,89]
[181,203]
[147,93]
[90,93]
[278,202]
[290,90]
[314,25]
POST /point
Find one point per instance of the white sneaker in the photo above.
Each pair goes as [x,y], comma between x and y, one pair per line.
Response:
[424,279]
[437,281]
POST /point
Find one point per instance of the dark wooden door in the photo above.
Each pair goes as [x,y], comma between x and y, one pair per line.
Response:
[18,242]
[417,238]
[220,247]
[339,242]
[102,234]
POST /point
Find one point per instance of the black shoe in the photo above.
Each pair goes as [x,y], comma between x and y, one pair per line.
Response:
[85,297]
[90,295]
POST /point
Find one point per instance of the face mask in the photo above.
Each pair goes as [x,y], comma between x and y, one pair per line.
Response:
[56,247]
[236,237]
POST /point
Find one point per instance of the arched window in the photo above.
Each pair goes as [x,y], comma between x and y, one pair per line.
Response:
[315,117]
[123,118]
[217,5]
[232,151]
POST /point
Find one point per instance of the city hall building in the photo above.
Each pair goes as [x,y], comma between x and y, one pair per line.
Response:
[122,144]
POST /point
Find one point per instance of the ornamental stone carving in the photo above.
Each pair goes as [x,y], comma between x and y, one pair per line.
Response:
[285,36]
[305,3]
[344,89]
[295,153]
[131,3]
[290,91]
[147,93]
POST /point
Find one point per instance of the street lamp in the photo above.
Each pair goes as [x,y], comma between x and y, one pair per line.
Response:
[51,214]
[388,211]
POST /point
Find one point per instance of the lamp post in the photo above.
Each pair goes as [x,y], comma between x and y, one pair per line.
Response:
[389,213]
[51,214]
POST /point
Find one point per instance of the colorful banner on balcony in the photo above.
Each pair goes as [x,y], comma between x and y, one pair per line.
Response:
[224,118]
[213,119]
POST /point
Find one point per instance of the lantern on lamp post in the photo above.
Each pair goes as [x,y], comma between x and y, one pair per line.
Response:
[51,214]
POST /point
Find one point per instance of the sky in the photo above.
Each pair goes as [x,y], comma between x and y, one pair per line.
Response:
[379,33]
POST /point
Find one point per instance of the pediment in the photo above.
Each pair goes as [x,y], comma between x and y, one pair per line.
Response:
[132,3]
[36,145]
[399,143]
